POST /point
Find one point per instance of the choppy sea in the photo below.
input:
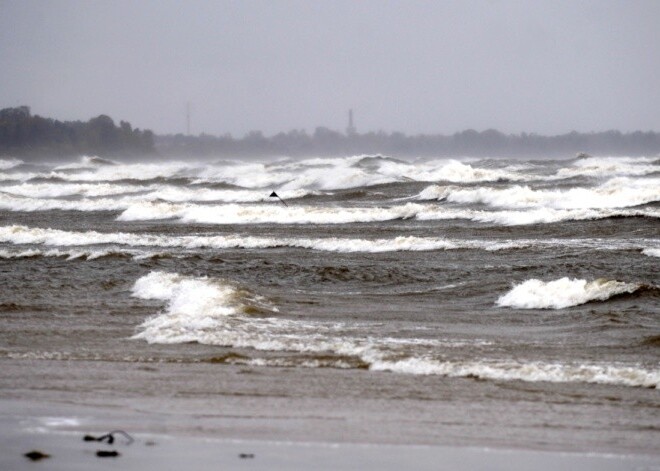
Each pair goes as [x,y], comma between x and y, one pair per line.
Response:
[487,275]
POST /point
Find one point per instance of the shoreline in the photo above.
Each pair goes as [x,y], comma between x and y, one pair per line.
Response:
[58,429]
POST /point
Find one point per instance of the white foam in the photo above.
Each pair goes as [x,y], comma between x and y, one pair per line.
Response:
[86,162]
[562,293]
[75,254]
[652,252]
[57,190]
[96,185]
[17,203]
[614,193]
[532,216]
[309,174]
[196,307]
[278,214]
[18,234]
[265,214]
[606,167]
[460,172]
[6,164]
[527,371]
[211,311]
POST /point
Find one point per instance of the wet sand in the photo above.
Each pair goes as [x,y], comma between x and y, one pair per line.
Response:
[57,429]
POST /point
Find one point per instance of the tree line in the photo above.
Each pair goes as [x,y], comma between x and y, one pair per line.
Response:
[489,143]
[30,136]
[26,135]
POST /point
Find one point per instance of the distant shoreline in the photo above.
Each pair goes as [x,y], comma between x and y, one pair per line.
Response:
[32,137]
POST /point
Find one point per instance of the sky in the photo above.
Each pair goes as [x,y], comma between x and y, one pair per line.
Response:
[432,67]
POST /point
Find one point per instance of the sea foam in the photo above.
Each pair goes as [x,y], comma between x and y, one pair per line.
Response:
[19,234]
[194,305]
[562,293]
[527,371]
[212,311]
[614,193]
[605,167]
[652,252]
[6,164]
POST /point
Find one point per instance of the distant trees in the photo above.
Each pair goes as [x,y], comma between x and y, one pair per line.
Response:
[23,134]
[488,143]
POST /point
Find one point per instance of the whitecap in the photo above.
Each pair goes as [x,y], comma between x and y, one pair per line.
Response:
[6,164]
[614,193]
[562,293]
[213,312]
[652,252]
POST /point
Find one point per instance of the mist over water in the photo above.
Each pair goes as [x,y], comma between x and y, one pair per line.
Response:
[505,271]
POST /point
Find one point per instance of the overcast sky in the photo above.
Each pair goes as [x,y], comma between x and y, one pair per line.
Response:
[415,66]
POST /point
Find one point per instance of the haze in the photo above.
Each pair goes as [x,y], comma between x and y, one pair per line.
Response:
[417,67]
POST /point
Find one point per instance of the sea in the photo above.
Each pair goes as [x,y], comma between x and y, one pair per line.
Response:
[496,302]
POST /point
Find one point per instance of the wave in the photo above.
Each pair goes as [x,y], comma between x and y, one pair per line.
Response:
[528,371]
[310,174]
[58,190]
[86,162]
[606,167]
[652,252]
[6,164]
[169,193]
[83,254]
[326,174]
[563,293]
[216,312]
[25,204]
[479,369]
[198,309]
[18,234]
[614,193]
[274,214]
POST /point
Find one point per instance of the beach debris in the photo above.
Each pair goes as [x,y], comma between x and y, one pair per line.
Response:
[107,454]
[244,456]
[109,437]
[36,455]
[275,195]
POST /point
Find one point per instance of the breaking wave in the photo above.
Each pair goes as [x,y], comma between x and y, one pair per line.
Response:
[272,214]
[615,193]
[563,293]
[33,195]
[215,312]
[652,252]
[84,254]
[528,371]
[18,234]
[605,167]
[6,164]
[86,162]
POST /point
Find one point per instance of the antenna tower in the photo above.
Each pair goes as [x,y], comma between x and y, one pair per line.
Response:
[188,119]
[350,130]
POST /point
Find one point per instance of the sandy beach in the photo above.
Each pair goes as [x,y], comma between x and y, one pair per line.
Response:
[162,441]
[58,432]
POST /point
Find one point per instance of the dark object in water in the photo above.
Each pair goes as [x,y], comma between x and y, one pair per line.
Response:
[36,455]
[109,437]
[107,454]
[275,195]
[246,455]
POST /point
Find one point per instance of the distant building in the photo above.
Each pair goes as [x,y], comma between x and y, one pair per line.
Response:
[350,130]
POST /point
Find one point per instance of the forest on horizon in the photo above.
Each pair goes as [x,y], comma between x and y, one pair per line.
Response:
[33,137]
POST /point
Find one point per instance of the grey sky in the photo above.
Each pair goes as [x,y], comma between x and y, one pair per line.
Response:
[415,66]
